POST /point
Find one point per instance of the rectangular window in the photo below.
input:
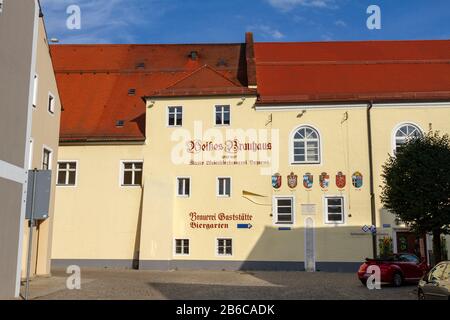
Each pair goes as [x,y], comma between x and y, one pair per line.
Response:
[132,173]
[175,116]
[46,159]
[183,187]
[334,210]
[225,247]
[182,246]
[223,115]
[35,92]
[51,103]
[224,187]
[67,172]
[284,210]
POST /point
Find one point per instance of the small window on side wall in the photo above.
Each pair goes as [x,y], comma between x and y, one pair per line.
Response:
[224,247]
[46,159]
[183,187]
[51,103]
[132,173]
[224,187]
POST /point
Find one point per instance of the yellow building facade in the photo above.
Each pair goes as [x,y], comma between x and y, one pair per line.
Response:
[223,181]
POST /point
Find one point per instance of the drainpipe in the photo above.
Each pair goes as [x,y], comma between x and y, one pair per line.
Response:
[372,189]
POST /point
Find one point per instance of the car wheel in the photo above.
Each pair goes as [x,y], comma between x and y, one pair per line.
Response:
[397,279]
[421,295]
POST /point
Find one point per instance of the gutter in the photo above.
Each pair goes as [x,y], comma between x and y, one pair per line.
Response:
[372,189]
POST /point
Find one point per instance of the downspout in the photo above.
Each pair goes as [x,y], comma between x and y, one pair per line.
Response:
[372,189]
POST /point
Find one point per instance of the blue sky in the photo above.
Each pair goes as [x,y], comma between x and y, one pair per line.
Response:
[200,21]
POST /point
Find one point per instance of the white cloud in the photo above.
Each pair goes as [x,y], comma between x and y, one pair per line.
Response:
[340,23]
[102,21]
[266,31]
[287,5]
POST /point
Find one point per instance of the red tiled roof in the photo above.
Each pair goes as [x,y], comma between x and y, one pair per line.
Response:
[94,80]
[352,71]
[203,82]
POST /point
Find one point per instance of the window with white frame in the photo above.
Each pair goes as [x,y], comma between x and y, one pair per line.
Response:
[67,172]
[35,92]
[404,134]
[183,186]
[224,187]
[306,146]
[132,173]
[224,247]
[222,115]
[51,103]
[334,209]
[284,210]
[182,246]
[175,116]
[46,159]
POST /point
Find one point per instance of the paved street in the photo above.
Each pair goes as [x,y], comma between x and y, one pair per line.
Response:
[220,285]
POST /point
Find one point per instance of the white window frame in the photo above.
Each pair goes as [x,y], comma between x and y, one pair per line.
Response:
[275,212]
[222,112]
[325,209]
[35,88]
[217,247]
[217,188]
[51,106]
[175,247]
[50,159]
[168,117]
[76,174]
[291,147]
[184,187]
[395,130]
[122,172]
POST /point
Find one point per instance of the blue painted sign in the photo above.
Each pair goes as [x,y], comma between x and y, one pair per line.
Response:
[244,226]
[284,228]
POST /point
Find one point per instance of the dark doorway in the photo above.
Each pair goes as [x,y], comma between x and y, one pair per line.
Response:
[408,242]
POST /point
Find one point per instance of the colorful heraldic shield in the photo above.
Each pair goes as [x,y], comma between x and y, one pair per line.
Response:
[357,180]
[292,180]
[340,180]
[276,181]
[324,180]
[308,180]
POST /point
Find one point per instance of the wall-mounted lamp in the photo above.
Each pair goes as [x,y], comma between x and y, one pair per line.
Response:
[345,117]
[242,101]
[301,114]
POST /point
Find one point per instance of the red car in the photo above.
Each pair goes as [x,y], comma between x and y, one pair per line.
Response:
[396,269]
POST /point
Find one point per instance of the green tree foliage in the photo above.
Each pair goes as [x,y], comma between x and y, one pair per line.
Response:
[416,186]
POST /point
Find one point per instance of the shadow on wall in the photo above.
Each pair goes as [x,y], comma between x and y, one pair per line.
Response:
[334,249]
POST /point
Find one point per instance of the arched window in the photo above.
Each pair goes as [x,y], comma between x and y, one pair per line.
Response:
[404,133]
[306,143]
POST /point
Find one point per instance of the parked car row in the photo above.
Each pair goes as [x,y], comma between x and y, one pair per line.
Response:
[403,268]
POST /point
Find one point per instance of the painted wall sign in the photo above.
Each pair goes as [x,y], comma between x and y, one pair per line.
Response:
[308,180]
[324,180]
[276,181]
[217,220]
[292,180]
[340,180]
[229,146]
[357,179]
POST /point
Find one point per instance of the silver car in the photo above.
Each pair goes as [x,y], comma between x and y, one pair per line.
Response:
[435,285]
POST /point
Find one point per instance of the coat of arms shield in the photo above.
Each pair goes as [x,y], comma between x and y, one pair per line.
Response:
[340,180]
[357,179]
[292,180]
[308,180]
[324,180]
[276,181]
